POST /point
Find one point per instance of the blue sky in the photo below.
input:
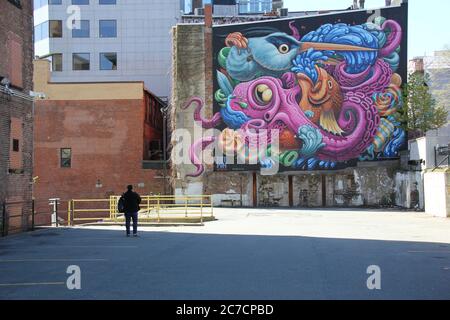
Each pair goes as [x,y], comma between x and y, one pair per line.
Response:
[429,21]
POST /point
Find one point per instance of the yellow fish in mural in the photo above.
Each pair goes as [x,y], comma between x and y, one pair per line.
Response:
[321,101]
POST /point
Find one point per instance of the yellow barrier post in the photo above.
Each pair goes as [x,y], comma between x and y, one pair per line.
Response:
[186,207]
[68,213]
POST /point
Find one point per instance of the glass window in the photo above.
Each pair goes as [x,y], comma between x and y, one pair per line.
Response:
[57,64]
[107,2]
[80,1]
[108,61]
[55,28]
[41,31]
[15,145]
[80,29]
[108,28]
[66,157]
[54,1]
[81,61]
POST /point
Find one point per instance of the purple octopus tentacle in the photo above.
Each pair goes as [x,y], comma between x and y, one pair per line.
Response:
[295,32]
[394,38]
[206,123]
[355,143]
[196,148]
[380,77]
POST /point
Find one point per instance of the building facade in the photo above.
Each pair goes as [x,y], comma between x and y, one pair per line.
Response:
[107,40]
[93,139]
[234,90]
[16,115]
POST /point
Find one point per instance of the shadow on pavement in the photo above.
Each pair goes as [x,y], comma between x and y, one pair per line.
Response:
[171,265]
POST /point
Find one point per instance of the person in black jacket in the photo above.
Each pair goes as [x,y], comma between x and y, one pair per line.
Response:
[131,208]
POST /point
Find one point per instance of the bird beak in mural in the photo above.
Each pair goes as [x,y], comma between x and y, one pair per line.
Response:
[304,46]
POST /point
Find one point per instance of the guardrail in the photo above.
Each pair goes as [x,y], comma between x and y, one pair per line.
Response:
[153,208]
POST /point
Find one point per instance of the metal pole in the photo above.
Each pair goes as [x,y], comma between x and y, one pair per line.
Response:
[164,110]
[32,215]
[56,213]
[4,219]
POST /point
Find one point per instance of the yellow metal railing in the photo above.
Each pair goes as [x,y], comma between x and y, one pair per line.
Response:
[152,207]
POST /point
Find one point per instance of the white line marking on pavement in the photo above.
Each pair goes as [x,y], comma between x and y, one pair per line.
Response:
[430,251]
[32,284]
[53,260]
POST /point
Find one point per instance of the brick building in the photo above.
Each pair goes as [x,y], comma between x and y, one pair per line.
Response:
[383,181]
[93,139]
[16,114]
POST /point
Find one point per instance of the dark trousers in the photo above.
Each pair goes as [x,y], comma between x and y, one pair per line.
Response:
[128,217]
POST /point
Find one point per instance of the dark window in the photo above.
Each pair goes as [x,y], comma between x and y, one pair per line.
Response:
[16,3]
[81,61]
[15,145]
[66,157]
[80,29]
[107,2]
[108,28]
[154,150]
[55,28]
[108,61]
[57,64]
[80,1]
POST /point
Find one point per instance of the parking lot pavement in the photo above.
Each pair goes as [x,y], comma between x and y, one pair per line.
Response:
[245,254]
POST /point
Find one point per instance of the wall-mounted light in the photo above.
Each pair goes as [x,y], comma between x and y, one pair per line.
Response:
[98,184]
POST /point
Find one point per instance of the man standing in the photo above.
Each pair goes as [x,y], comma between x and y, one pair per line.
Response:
[131,208]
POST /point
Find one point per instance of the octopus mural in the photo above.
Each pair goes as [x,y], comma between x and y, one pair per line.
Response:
[333,96]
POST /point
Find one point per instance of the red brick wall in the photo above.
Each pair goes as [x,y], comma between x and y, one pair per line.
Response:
[106,138]
[16,54]
[16,44]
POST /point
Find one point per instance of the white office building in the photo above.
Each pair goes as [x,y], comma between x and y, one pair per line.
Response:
[107,40]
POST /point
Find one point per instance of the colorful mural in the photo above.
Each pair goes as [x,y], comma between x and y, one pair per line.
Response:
[333,95]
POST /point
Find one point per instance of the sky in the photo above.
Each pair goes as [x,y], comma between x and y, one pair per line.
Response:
[429,21]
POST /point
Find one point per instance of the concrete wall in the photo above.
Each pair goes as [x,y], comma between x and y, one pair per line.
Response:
[188,63]
[437,192]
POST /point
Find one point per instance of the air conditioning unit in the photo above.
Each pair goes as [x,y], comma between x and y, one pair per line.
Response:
[283,12]
[199,11]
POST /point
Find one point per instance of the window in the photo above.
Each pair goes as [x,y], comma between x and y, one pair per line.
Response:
[80,1]
[57,62]
[108,28]
[66,157]
[107,2]
[41,31]
[81,61]
[16,3]
[155,150]
[15,52]
[16,156]
[15,145]
[54,1]
[55,28]
[83,29]
[108,61]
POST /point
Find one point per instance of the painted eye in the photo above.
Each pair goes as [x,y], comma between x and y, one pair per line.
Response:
[284,48]
[330,84]
[263,94]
